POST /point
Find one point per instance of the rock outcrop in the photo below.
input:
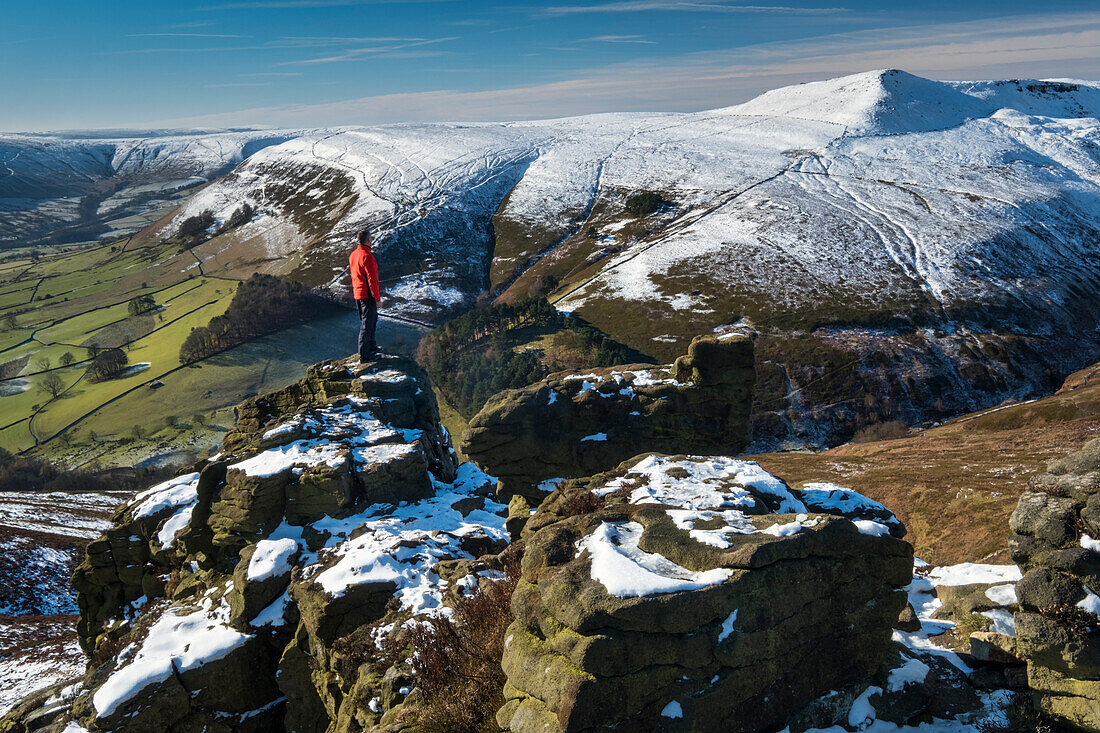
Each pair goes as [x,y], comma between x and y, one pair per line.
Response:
[293,581]
[258,592]
[572,425]
[690,593]
[1056,542]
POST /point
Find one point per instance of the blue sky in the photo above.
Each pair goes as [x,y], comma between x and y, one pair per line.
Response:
[68,64]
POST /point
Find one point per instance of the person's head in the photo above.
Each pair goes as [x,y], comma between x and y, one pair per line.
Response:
[364,238]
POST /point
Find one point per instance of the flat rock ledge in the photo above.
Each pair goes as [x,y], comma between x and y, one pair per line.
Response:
[572,425]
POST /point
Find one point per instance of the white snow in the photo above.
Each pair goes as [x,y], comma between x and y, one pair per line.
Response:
[1002,595]
[869,527]
[273,615]
[29,663]
[832,499]
[271,558]
[176,643]
[389,376]
[175,524]
[1003,621]
[972,572]
[862,714]
[649,378]
[715,482]
[785,529]
[727,626]
[1090,603]
[876,180]
[400,546]
[172,494]
[63,513]
[1089,543]
[913,671]
[300,453]
[672,710]
[627,571]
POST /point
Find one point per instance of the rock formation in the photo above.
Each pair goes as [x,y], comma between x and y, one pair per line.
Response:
[571,425]
[256,593]
[689,593]
[282,586]
[1056,542]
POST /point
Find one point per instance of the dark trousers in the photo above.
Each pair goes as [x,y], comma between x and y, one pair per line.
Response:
[368,320]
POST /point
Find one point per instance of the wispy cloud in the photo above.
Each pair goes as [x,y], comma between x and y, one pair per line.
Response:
[322,41]
[239,84]
[280,4]
[184,35]
[207,49]
[615,39]
[191,24]
[272,73]
[1044,46]
[391,50]
[638,6]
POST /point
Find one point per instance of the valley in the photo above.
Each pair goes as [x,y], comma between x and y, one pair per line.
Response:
[929,243]
[58,308]
[881,293]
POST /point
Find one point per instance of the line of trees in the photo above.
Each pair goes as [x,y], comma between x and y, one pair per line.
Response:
[262,304]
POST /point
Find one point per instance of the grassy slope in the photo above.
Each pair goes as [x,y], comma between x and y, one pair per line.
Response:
[955,485]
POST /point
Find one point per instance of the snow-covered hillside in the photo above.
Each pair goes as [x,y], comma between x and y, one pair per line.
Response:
[947,227]
[45,179]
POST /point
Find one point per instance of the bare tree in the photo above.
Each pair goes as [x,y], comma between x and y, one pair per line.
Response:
[52,384]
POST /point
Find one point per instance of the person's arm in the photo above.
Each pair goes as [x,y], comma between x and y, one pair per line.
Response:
[372,277]
[355,270]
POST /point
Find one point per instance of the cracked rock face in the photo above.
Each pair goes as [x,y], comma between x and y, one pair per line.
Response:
[255,593]
[686,592]
[1056,542]
[571,425]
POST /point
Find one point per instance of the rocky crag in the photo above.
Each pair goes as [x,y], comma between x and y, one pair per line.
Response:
[697,582]
[572,425]
[279,586]
[1055,529]
[218,600]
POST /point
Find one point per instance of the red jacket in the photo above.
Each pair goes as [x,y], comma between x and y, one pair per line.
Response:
[364,273]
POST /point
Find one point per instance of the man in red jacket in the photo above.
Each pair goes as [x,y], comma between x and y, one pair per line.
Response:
[364,288]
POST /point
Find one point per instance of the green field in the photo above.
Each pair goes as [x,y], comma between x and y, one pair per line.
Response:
[58,304]
[55,304]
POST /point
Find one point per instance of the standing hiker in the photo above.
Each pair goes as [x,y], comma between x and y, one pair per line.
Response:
[364,288]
